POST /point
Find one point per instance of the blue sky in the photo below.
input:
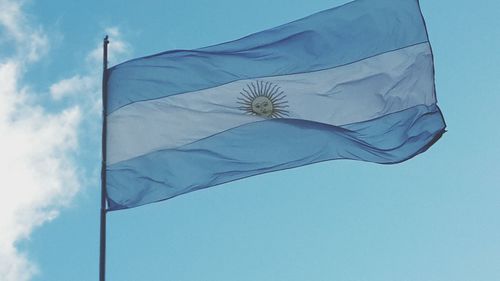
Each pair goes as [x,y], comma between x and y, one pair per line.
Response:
[434,217]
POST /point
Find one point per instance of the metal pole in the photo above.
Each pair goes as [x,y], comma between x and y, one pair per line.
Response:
[102,248]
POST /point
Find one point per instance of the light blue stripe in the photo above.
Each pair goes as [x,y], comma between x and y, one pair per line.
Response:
[339,36]
[267,146]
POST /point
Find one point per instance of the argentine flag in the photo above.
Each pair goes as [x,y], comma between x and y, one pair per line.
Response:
[352,82]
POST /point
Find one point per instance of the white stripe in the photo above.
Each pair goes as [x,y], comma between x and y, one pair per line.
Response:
[356,92]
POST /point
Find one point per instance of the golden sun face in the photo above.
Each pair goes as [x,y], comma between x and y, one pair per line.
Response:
[263,99]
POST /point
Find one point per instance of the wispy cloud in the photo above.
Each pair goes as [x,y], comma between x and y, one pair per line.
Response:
[38,175]
[30,40]
[89,81]
[72,86]
[118,47]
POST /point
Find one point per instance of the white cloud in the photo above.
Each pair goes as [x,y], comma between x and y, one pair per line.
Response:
[89,84]
[74,85]
[31,41]
[37,173]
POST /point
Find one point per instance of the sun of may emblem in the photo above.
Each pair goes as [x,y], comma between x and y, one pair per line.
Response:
[264,99]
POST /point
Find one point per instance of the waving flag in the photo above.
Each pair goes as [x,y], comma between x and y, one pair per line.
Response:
[352,82]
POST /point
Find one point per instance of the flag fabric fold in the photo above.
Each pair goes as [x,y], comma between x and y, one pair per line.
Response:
[353,82]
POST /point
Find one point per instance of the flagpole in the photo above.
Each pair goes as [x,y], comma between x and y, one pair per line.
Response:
[102,246]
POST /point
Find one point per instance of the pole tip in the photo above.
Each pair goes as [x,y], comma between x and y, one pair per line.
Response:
[106,39]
